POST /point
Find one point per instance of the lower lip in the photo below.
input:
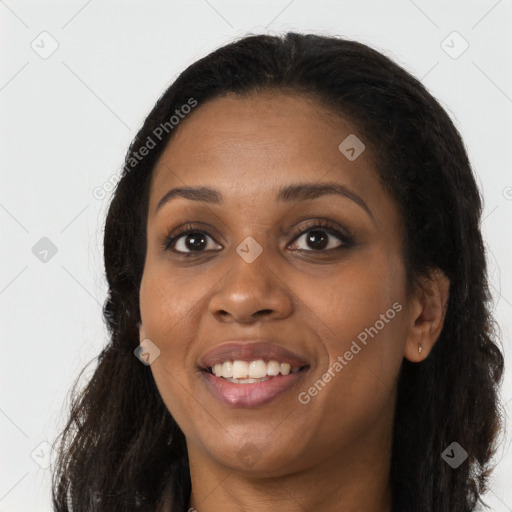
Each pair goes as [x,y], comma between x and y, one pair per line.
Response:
[250,395]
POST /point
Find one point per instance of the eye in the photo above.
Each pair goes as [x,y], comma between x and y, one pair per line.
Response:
[318,237]
[187,240]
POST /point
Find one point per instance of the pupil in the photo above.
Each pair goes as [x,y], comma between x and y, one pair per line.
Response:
[195,241]
[317,235]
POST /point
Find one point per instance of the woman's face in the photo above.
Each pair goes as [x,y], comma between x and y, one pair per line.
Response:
[245,286]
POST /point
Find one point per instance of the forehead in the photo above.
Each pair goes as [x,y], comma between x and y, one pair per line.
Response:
[250,146]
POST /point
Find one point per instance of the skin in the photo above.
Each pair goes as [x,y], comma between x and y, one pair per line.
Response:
[332,453]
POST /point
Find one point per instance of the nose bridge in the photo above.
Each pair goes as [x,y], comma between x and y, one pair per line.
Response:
[251,286]
[252,264]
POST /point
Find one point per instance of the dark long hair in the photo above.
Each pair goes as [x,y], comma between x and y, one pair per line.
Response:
[122,450]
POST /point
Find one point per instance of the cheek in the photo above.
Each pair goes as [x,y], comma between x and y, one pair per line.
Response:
[357,298]
[361,309]
[170,306]
[170,311]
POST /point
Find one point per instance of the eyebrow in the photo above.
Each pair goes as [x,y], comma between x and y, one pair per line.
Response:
[290,193]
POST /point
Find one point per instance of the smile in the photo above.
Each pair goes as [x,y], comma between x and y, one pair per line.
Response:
[249,392]
[243,372]
[251,373]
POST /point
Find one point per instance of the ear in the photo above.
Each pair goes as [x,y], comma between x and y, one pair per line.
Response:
[427,312]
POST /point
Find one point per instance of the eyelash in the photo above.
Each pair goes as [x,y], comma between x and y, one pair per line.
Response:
[330,228]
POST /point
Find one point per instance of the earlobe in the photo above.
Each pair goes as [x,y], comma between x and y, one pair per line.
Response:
[428,310]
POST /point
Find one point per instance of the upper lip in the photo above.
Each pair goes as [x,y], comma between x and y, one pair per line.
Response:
[250,351]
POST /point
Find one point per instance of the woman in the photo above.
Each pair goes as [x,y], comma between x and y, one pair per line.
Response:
[298,304]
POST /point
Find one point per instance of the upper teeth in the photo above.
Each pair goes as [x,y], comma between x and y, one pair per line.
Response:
[253,370]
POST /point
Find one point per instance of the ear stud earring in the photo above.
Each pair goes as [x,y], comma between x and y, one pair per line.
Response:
[420,349]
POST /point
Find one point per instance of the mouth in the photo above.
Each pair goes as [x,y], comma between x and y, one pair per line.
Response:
[251,374]
[259,370]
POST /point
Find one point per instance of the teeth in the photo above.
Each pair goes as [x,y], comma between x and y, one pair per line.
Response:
[227,369]
[273,368]
[240,369]
[255,371]
[247,381]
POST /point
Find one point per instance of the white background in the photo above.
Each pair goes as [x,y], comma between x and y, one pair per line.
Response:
[67,121]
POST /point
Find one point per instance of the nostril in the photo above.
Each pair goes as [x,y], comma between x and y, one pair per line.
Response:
[264,312]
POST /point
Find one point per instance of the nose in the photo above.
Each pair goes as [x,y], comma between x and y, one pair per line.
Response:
[251,292]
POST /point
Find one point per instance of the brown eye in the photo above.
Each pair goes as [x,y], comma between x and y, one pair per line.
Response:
[322,237]
[190,241]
